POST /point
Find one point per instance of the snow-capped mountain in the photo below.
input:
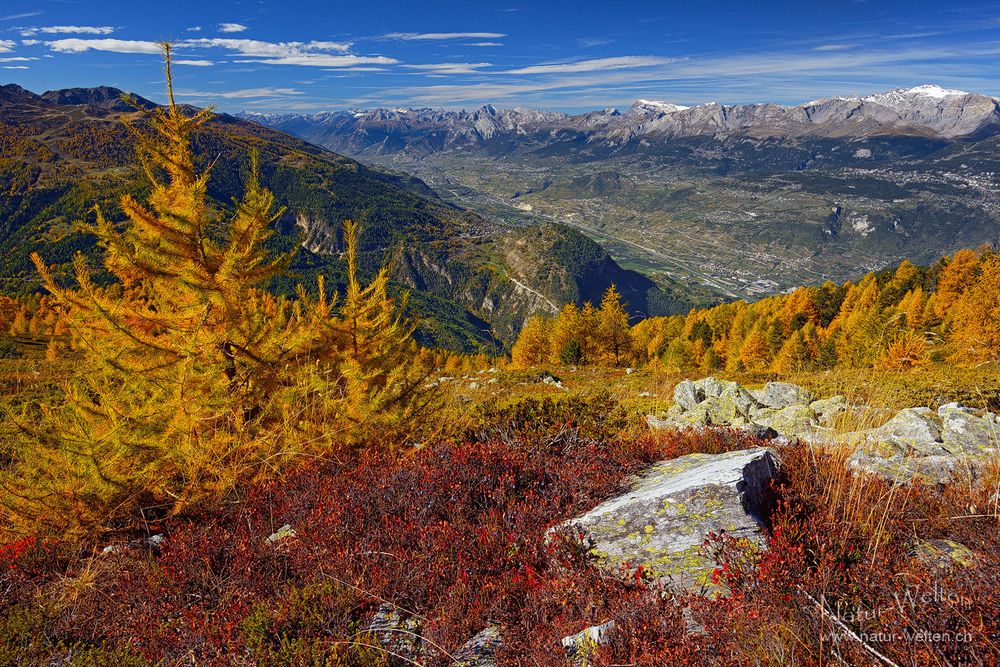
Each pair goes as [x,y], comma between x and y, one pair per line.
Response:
[927,111]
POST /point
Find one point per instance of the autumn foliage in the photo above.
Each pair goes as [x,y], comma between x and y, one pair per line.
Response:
[192,378]
[900,320]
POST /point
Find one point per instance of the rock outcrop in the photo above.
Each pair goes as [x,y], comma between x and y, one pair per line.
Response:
[915,443]
[660,524]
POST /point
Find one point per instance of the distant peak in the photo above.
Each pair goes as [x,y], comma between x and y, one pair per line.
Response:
[932,90]
[666,107]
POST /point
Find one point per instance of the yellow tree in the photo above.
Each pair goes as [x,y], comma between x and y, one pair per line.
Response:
[190,377]
[566,337]
[976,319]
[613,328]
[533,344]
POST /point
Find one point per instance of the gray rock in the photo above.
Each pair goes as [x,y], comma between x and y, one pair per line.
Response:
[398,633]
[783,394]
[281,534]
[480,651]
[687,395]
[828,409]
[661,522]
[794,420]
[581,646]
[900,469]
[968,433]
[912,430]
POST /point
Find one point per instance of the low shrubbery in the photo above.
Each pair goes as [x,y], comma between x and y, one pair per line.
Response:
[455,534]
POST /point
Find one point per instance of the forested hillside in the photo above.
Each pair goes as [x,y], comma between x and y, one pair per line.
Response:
[899,320]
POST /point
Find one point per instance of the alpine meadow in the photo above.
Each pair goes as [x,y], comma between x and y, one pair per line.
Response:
[434,347]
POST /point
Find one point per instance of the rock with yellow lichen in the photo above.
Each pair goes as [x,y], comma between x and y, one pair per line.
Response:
[658,527]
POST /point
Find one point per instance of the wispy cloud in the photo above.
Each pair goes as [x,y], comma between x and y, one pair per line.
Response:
[194,28]
[434,36]
[834,47]
[485,44]
[16,67]
[76,45]
[232,27]
[7,45]
[590,42]
[16,59]
[68,30]
[594,65]
[245,93]
[194,63]
[450,68]
[309,54]
[22,15]
[258,48]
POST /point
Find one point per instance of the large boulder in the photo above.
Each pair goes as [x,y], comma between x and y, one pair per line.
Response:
[796,420]
[660,523]
[783,395]
[967,432]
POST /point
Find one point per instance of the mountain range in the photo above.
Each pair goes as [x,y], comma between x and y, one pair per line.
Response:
[746,200]
[923,111]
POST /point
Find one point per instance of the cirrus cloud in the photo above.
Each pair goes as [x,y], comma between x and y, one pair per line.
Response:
[232,27]
[593,65]
[68,30]
[7,45]
[436,36]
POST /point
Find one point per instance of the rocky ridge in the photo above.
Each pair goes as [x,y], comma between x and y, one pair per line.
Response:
[915,442]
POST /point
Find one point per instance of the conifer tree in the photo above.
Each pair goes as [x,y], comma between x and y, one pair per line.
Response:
[613,327]
[191,377]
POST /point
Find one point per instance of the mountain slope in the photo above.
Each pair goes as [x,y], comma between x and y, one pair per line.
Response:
[746,199]
[64,151]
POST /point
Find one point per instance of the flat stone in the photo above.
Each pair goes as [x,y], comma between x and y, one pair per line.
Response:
[661,522]
[944,554]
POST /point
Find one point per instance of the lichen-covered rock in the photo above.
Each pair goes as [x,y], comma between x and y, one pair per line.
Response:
[480,651]
[581,646]
[661,522]
[828,409]
[944,554]
[912,430]
[687,395]
[967,432]
[399,633]
[901,469]
[794,420]
[283,533]
[783,395]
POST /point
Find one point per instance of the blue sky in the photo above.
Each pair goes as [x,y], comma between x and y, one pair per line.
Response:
[318,55]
